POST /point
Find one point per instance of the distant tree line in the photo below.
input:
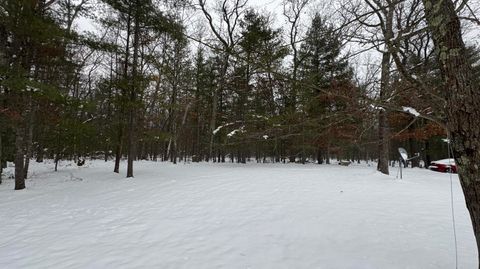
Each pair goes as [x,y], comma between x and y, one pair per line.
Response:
[147,86]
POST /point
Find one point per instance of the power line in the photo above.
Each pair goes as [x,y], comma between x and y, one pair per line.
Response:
[450,156]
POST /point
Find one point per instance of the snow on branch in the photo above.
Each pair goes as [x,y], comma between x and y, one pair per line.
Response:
[225,125]
[411,111]
[220,128]
[240,130]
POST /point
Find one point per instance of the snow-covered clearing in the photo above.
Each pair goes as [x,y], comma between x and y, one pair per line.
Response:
[232,216]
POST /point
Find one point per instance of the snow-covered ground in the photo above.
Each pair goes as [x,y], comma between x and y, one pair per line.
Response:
[232,216]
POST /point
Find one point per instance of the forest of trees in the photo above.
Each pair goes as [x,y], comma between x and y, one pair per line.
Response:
[234,84]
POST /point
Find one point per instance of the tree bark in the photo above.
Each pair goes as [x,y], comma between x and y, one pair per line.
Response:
[119,147]
[29,135]
[1,156]
[463,101]
[383,145]
[319,156]
[2,123]
[118,150]
[19,158]
[133,93]
[217,92]
[383,134]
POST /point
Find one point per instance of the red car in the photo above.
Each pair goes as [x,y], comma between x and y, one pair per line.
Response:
[444,166]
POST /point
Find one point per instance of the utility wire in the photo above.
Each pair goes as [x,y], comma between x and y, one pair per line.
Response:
[450,157]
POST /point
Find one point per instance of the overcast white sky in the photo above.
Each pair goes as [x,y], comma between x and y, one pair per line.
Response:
[275,9]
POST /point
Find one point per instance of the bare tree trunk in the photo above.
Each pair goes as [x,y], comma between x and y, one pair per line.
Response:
[213,122]
[292,10]
[327,155]
[1,156]
[2,123]
[133,93]
[19,158]
[29,142]
[383,134]
[197,145]
[57,159]
[385,11]
[119,147]
[174,150]
[182,128]
[383,145]
[463,101]
[172,144]
[230,16]
[130,143]
[384,94]
[118,150]
[319,156]
[213,119]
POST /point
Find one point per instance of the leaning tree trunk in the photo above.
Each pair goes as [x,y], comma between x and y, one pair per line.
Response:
[463,101]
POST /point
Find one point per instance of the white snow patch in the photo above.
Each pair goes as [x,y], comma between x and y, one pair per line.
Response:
[232,216]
